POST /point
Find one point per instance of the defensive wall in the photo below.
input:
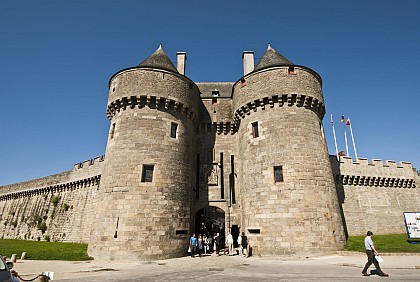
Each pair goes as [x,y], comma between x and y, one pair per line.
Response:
[374,194]
[57,207]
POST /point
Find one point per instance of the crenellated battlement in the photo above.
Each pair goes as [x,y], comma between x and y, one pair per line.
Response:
[51,189]
[375,162]
[87,163]
[362,172]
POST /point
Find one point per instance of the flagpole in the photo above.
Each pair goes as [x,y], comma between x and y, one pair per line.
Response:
[345,138]
[335,138]
[352,138]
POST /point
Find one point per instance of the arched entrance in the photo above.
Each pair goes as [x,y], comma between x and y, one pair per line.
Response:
[209,220]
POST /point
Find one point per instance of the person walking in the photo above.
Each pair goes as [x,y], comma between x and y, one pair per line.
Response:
[200,244]
[206,244]
[211,243]
[229,242]
[193,245]
[219,241]
[240,244]
[371,252]
[244,243]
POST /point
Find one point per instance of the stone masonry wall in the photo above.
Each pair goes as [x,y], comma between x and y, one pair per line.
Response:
[57,208]
[374,195]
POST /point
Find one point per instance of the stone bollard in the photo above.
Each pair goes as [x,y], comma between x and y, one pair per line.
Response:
[13,258]
[23,256]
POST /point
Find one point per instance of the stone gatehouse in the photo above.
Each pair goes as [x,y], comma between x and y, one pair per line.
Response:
[183,156]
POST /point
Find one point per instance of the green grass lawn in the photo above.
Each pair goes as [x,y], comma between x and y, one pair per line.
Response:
[391,243]
[44,250]
[394,243]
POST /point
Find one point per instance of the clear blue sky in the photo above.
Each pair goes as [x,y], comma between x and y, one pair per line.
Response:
[56,58]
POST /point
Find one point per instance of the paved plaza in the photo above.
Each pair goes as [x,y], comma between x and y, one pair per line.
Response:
[338,267]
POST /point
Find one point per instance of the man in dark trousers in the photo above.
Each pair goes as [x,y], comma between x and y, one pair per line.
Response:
[371,252]
[244,243]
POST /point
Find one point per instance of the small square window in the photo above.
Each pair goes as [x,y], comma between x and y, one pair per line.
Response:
[255,132]
[174,130]
[147,175]
[278,174]
[215,93]
[292,70]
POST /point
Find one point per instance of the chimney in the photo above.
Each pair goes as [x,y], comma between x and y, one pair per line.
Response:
[181,57]
[248,60]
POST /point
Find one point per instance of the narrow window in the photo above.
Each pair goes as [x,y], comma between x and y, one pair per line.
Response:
[174,129]
[255,132]
[292,70]
[278,174]
[147,175]
[111,134]
[254,231]
[181,232]
[214,101]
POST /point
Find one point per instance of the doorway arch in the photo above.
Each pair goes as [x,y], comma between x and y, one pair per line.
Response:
[209,220]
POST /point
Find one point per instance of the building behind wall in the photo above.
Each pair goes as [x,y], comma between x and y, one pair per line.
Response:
[182,156]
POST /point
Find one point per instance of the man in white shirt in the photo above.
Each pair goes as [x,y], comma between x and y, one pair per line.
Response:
[371,252]
[229,242]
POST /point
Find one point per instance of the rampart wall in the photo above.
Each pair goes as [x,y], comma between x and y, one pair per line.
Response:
[58,207]
[373,195]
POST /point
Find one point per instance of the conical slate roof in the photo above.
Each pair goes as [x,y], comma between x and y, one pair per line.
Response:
[271,58]
[158,60]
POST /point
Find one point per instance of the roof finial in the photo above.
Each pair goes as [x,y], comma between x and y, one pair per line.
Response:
[269,46]
[160,45]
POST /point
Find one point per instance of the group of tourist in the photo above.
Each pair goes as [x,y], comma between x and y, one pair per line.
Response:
[203,244]
[200,245]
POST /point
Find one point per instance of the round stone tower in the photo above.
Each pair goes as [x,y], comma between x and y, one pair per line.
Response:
[143,207]
[288,195]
